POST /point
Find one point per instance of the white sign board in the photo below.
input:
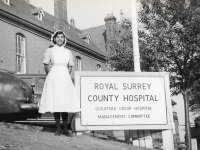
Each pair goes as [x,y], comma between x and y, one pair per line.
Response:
[121,100]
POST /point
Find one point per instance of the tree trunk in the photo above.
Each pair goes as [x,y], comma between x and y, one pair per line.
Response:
[187,121]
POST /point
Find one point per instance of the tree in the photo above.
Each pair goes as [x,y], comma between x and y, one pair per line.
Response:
[171,34]
[169,41]
[121,58]
[172,31]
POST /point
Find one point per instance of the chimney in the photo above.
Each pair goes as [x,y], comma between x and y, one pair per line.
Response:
[121,16]
[60,12]
[110,23]
[72,22]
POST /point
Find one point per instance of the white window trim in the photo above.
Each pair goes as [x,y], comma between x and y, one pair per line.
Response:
[7,2]
[23,56]
[78,63]
[40,15]
[99,68]
[88,39]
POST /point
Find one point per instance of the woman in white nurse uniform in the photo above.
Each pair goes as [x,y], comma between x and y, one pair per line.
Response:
[59,95]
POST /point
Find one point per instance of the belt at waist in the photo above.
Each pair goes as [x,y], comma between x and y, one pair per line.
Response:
[62,65]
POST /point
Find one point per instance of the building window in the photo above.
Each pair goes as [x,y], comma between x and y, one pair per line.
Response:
[20,54]
[87,39]
[78,64]
[6,2]
[99,68]
[40,15]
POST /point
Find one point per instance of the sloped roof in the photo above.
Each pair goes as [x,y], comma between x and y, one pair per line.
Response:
[22,10]
[83,35]
[98,36]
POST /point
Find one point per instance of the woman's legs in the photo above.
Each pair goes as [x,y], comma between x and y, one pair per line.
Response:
[65,120]
[66,124]
[57,119]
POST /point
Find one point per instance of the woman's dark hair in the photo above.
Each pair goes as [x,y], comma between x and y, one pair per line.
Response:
[56,34]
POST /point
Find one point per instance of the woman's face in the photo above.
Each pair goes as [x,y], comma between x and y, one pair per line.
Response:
[60,39]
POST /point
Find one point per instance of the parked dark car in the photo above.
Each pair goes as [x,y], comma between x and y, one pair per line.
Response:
[16,97]
[19,98]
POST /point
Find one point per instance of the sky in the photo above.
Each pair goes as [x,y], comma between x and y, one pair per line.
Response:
[89,13]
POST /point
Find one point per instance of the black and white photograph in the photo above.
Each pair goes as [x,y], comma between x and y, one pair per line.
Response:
[99,74]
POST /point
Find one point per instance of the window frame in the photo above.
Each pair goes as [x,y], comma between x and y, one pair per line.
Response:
[7,2]
[40,15]
[20,54]
[99,67]
[78,63]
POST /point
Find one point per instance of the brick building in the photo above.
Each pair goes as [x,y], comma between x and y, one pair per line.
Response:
[26,31]
[25,34]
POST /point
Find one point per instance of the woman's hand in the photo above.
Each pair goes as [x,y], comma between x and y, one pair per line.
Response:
[47,68]
[70,69]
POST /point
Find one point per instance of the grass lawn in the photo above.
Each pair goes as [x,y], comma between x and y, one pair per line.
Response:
[26,137]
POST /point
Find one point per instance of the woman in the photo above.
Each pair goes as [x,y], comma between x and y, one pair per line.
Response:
[59,95]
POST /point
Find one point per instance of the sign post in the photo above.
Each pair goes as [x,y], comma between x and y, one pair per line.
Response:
[168,133]
[136,53]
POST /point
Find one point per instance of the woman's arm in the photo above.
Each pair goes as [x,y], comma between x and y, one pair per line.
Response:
[47,61]
[71,63]
[70,69]
[47,68]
